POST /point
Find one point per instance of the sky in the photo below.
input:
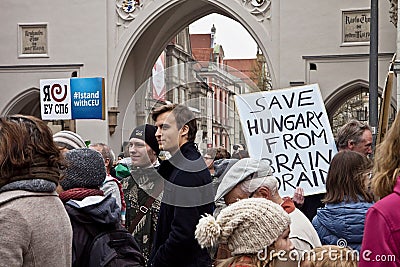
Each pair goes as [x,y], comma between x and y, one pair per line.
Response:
[228,32]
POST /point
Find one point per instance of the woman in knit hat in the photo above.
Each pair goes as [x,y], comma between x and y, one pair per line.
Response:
[254,229]
[34,227]
[84,202]
[67,140]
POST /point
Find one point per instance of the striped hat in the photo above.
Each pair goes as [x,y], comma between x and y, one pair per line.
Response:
[69,140]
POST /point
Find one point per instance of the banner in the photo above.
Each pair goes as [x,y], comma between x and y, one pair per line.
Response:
[290,129]
[158,78]
[74,98]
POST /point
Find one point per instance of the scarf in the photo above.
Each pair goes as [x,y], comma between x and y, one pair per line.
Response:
[79,194]
[32,185]
[39,169]
[288,205]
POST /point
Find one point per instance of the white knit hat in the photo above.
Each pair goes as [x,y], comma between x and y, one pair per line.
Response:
[247,226]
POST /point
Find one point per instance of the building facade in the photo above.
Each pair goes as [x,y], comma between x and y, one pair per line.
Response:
[303,42]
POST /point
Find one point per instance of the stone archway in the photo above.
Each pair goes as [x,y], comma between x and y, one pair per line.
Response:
[155,23]
[160,21]
[27,103]
[343,93]
[346,92]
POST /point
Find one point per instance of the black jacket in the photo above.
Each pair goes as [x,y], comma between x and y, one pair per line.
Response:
[188,194]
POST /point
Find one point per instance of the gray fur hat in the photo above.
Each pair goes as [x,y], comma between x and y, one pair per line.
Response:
[85,169]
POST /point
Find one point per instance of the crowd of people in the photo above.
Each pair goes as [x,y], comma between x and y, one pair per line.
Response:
[67,203]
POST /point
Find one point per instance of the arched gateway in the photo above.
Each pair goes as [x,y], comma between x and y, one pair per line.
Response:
[147,30]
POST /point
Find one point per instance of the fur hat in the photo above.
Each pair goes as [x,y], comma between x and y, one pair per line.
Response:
[69,140]
[239,171]
[85,169]
[246,226]
[147,133]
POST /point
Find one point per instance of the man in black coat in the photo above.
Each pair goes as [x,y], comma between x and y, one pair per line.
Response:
[188,191]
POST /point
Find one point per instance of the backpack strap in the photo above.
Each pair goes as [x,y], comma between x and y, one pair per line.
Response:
[140,213]
[143,210]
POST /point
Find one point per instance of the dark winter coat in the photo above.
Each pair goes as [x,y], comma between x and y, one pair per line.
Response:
[102,213]
[182,206]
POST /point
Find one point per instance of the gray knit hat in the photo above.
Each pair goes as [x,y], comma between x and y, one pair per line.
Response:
[85,169]
[247,226]
[69,140]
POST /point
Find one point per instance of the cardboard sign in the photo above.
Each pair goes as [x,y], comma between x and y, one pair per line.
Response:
[289,128]
[74,98]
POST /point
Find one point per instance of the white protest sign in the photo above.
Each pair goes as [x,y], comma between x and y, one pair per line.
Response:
[290,129]
[55,96]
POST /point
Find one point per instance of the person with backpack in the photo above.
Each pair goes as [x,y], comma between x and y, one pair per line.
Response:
[142,186]
[98,237]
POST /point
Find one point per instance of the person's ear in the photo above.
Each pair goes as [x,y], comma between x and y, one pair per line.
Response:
[107,162]
[262,192]
[350,144]
[184,130]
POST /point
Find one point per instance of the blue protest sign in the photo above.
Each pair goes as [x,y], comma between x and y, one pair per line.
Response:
[87,98]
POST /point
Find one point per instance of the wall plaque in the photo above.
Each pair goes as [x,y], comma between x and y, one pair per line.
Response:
[356,26]
[33,39]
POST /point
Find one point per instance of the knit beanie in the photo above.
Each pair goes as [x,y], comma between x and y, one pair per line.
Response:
[147,133]
[85,169]
[68,139]
[246,226]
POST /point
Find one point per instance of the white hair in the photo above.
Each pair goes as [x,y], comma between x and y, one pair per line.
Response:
[254,182]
